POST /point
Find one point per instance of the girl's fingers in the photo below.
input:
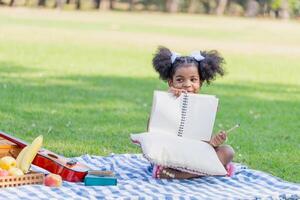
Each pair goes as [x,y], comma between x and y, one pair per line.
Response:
[222,132]
[179,92]
[182,91]
[218,141]
[223,136]
[215,141]
[176,92]
[173,91]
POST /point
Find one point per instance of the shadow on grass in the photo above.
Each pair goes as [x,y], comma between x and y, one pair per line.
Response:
[95,114]
[7,67]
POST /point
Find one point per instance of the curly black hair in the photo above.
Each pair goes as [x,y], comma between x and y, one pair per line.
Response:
[208,68]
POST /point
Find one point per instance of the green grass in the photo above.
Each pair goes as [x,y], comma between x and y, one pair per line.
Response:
[85,81]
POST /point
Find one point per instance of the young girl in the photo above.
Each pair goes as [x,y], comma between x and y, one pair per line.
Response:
[187,74]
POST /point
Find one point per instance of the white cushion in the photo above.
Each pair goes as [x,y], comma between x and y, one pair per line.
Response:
[185,154]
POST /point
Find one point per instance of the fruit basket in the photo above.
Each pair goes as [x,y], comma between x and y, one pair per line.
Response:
[8,148]
[26,179]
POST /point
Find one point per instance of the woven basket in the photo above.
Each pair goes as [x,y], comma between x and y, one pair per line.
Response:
[27,179]
[8,148]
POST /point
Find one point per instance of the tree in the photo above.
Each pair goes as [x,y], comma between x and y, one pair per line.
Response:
[131,5]
[11,3]
[59,4]
[284,13]
[252,8]
[111,4]
[78,4]
[192,7]
[172,6]
[281,8]
[221,6]
[208,7]
[96,4]
[41,2]
[106,4]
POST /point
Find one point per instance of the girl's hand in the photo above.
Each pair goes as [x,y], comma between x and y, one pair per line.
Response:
[176,92]
[218,139]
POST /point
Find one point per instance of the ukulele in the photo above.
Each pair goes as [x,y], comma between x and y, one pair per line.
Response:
[68,169]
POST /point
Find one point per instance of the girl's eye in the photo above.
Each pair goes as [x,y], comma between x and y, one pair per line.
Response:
[179,80]
[194,79]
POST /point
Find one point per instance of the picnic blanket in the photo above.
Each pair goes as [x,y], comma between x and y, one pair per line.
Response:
[135,182]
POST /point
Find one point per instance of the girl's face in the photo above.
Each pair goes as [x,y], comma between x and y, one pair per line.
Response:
[187,78]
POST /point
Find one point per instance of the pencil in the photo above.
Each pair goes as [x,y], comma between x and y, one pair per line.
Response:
[233,128]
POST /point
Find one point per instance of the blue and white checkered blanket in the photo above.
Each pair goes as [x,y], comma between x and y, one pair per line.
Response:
[135,182]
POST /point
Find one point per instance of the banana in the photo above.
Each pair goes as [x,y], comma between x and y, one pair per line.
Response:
[21,156]
[30,153]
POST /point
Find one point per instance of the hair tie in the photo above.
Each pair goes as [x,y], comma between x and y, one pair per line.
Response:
[197,55]
[174,56]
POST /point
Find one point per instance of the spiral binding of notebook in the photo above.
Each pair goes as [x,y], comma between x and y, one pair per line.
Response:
[184,107]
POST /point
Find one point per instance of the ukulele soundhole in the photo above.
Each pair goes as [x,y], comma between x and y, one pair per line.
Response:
[52,156]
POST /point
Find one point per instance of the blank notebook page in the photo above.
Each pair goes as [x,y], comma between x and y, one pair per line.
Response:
[190,115]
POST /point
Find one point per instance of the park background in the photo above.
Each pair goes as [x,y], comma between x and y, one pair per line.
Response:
[84,79]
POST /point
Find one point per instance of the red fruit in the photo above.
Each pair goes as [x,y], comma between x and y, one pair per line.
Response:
[53,180]
[3,172]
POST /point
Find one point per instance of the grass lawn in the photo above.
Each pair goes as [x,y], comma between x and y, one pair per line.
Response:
[85,81]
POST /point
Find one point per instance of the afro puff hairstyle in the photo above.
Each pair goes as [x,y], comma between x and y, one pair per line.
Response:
[208,68]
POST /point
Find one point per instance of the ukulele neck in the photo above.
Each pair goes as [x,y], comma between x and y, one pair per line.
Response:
[14,140]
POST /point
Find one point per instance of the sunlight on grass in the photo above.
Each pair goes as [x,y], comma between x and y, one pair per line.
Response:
[85,81]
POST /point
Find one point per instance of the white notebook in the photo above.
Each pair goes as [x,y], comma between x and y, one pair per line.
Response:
[189,115]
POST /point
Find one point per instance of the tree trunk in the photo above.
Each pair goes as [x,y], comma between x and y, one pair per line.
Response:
[266,9]
[104,5]
[111,4]
[172,5]
[193,6]
[11,3]
[207,7]
[131,5]
[26,3]
[41,2]
[221,6]
[97,4]
[78,4]
[284,10]
[252,8]
[59,4]
[146,5]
